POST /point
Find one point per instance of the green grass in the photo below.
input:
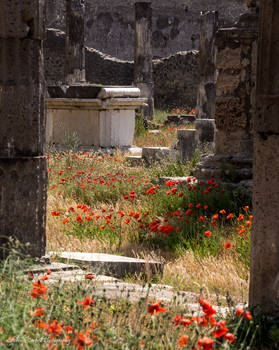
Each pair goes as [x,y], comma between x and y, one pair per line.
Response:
[106,324]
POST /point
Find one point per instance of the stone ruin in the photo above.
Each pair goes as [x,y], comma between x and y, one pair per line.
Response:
[236,59]
[99,116]
[23,175]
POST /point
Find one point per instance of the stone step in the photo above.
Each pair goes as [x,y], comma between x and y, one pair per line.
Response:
[112,265]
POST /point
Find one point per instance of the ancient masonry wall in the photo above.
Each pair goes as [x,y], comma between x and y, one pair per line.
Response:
[176,24]
[175,77]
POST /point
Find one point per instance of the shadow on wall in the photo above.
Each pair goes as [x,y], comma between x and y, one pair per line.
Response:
[175,77]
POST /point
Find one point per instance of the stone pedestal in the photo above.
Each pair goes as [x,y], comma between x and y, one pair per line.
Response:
[100,117]
[207,77]
[264,277]
[235,100]
[75,33]
[143,69]
[23,175]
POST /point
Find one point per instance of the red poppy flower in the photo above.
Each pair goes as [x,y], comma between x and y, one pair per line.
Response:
[186,322]
[65,220]
[38,312]
[205,343]
[89,276]
[86,302]
[177,319]
[183,340]
[208,233]
[207,308]
[228,245]
[229,337]
[230,216]
[155,308]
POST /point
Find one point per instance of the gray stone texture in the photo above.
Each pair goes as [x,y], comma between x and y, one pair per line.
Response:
[264,280]
[22,98]
[235,102]
[23,190]
[23,174]
[152,155]
[236,64]
[207,76]
[143,68]
[75,36]
[187,143]
[205,130]
[21,19]
[110,24]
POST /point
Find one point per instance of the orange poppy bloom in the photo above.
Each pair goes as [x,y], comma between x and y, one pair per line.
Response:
[155,308]
[183,340]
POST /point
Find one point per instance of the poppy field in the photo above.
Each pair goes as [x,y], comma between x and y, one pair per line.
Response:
[97,202]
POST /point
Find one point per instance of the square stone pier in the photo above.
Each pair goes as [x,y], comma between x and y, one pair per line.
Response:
[99,116]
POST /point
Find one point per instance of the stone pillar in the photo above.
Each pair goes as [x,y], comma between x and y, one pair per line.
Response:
[143,71]
[205,124]
[23,175]
[264,280]
[75,51]
[236,59]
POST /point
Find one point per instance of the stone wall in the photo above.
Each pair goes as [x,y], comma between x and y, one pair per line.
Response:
[110,24]
[175,77]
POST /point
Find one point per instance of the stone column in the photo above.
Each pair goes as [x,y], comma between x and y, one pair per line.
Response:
[23,175]
[264,280]
[143,71]
[75,31]
[205,124]
[236,59]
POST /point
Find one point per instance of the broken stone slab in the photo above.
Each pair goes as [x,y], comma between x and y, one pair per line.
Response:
[134,150]
[183,181]
[187,143]
[112,265]
[134,160]
[154,132]
[157,154]
[54,267]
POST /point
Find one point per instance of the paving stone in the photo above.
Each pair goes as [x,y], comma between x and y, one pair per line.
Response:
[112,265]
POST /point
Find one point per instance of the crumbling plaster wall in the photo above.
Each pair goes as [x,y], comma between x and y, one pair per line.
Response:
[110,23]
